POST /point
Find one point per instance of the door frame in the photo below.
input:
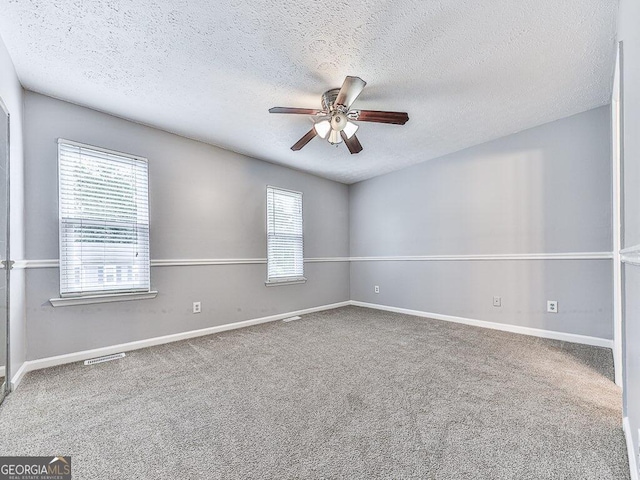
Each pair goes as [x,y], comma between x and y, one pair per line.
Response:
[617,135]
[7,264]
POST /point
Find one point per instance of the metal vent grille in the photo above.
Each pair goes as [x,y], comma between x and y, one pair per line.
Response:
[106,358]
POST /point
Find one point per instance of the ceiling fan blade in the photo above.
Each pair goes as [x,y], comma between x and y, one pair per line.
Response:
[304,140]
[397,118]
[353,144]
[351,88]
[299,111]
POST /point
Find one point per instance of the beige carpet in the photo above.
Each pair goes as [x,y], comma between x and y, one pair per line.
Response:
[349,393]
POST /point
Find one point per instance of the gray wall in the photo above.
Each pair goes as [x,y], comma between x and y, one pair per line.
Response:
[12,95]
[205,203]
[543,190]
[629,33]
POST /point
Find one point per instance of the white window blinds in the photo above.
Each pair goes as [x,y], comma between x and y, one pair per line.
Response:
[104,221]
[285,260]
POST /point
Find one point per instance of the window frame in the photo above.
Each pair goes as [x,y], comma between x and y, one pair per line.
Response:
[275,281]
[103,295]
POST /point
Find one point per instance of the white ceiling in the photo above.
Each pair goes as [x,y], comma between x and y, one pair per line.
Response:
[465,71]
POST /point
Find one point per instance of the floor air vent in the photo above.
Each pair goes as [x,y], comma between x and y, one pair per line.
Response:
[106,358]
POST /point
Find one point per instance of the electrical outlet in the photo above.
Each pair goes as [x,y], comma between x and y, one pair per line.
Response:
[376,289]
[197,307]
[497,301]
[552,306]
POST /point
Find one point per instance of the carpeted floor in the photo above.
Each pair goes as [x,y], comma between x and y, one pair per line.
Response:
[349,393]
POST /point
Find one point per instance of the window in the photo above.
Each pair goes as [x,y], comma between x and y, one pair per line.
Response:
[285,261]
[104,221]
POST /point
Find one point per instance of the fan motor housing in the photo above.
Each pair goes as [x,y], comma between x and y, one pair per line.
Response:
[329,98]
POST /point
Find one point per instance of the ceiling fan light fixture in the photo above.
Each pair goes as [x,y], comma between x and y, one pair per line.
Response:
[350,129]
[338,121]
[322,128]
[333,124]
[334,137]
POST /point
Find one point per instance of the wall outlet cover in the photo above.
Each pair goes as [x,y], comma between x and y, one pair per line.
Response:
[552,306]
[197,307]
[376,289]
[497,301]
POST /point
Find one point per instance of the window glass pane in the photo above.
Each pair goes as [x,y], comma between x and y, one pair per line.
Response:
[104,221]
[284,235]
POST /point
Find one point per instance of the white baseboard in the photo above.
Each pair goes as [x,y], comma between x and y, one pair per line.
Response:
[17,377]
[536,332]
[40,363]
[633,464]
[2,371]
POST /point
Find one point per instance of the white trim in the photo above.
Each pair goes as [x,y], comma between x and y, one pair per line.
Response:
[500,256]
[630,260]
[616,203]
[19,375]
[535,332]
[102,298]
[207,261]
[276,283]
[2,370]
[633,463]
[630,250]
[31,365]
[177,262]
[630,255]
[327,259]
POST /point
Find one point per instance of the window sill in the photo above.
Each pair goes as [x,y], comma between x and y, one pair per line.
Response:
[277,283]
[101,298]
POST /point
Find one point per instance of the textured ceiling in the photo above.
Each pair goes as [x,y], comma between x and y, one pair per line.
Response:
[465,71]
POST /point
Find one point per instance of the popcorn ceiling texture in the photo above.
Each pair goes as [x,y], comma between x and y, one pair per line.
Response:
[466,71]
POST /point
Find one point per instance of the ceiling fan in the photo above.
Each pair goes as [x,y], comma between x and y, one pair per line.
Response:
[335,121]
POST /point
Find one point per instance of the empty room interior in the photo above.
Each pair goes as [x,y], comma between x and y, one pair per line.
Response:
[357,240]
